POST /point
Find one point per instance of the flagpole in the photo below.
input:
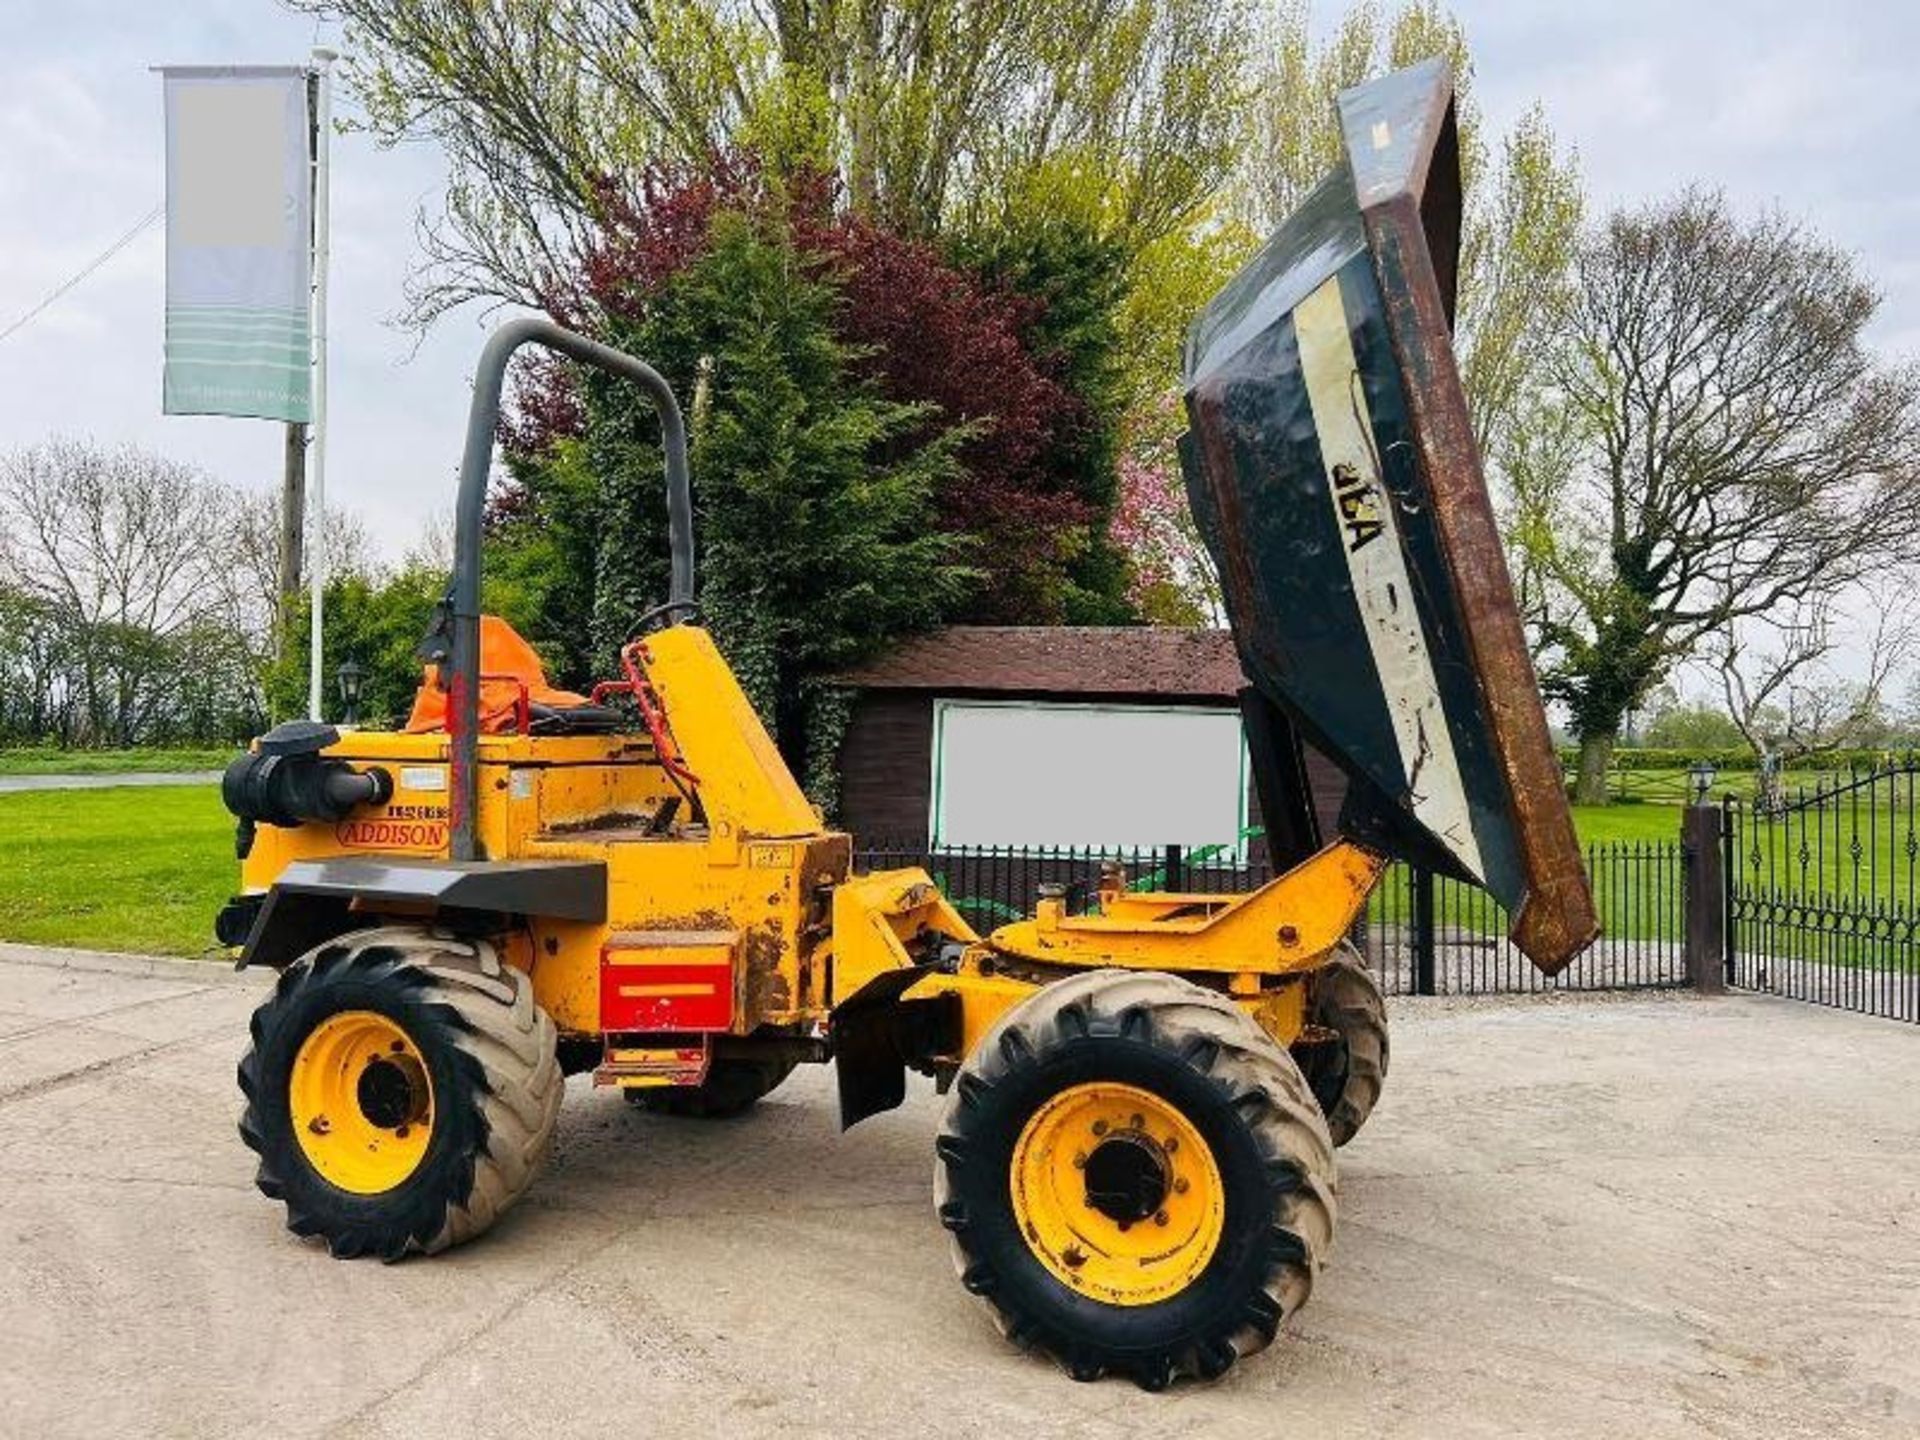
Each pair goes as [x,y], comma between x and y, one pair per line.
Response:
[317,446]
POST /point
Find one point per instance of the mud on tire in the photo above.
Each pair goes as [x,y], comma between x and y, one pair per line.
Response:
[1207,1059]
[488,1051]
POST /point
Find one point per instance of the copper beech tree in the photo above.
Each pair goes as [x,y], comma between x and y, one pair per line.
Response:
[1720,444]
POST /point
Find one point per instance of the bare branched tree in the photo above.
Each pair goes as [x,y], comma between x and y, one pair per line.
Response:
[1783,691]
[122,557]
[1724,447]
[252,572]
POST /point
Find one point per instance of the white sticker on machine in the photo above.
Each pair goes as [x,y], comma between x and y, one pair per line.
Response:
[423,777]
[1381,585]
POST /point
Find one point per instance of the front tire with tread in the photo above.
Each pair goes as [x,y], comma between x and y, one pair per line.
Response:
[490,1052]
[1201,1054]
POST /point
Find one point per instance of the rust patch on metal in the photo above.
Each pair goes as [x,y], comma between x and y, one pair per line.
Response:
[1557,919]
[698,920]
[765,988]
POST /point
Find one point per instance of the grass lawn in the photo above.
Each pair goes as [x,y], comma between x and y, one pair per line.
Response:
[48,760]
[145,870]
[1603,824]
[116,869]
[1632,861]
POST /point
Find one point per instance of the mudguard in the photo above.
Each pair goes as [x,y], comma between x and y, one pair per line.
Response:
[312,899]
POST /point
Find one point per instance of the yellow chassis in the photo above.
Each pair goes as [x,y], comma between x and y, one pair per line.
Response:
[1255,946]
[756,911]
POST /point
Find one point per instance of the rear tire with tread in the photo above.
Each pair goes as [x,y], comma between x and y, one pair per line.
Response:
[1204,1056]
[1348,1073]
[490,1056]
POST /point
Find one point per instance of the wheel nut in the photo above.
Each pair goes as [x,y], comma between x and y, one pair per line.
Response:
[1159,1217]
[1136,1121]
[1099,1127]
[1173,1144]
[1180,1186]
[1080,1161]
[319,1125]
[400,1133]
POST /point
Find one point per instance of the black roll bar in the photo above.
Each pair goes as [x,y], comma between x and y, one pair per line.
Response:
[483,419]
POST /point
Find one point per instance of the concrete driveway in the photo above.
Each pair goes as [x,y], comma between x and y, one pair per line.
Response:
[1656,1216]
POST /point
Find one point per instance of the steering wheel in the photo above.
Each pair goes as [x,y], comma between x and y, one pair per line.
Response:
[656,618]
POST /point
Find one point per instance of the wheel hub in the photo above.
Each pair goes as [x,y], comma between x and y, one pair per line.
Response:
[392,1092]
[361,1101]
[1127,1177]
[1116,1193]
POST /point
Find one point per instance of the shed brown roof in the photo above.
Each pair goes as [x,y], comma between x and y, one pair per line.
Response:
[1132,660]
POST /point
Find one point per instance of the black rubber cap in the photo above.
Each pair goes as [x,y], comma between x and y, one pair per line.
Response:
[297,737]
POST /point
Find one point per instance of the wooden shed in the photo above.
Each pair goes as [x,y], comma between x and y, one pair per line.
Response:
[1067,736]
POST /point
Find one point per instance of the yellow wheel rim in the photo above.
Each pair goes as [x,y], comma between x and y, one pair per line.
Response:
[1117,1194]
[361,1102]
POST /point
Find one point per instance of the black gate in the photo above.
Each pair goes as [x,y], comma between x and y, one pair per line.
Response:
[1823,891]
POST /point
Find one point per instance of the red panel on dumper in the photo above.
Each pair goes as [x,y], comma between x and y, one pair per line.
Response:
[667,980]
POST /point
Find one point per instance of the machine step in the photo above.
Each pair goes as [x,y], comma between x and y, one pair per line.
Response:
[646,1069]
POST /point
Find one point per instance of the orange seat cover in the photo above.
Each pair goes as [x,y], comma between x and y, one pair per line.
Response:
[506,663]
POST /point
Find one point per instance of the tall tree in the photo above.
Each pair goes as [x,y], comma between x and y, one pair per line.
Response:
[928,108]
[814,493]
[1072,275]
[1026,381]
[108,549]
[1723,445]
[1522,210]
[1782,691]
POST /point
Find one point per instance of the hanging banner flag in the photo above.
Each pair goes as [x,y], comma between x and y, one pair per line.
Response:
[239,238]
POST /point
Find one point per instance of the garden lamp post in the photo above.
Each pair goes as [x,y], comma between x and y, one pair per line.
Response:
[1702,773]
[350,676]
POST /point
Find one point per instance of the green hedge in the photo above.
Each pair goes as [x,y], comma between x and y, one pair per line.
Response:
[1741,758]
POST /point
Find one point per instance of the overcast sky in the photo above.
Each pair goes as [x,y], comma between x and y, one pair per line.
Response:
[1811,106]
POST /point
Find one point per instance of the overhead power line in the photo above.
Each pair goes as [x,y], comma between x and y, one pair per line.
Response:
[92,265]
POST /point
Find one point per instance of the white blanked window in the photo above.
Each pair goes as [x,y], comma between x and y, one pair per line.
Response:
[1102,776]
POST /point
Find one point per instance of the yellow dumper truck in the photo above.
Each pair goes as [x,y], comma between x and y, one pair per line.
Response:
[1136,1165]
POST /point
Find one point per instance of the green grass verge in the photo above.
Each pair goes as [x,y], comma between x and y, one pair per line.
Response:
[116,869]
[47,760]
[145,870]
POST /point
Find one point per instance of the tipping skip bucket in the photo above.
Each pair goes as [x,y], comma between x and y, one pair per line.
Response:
[1333,473]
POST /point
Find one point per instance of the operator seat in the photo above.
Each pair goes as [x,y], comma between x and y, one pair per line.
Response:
[509,667]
